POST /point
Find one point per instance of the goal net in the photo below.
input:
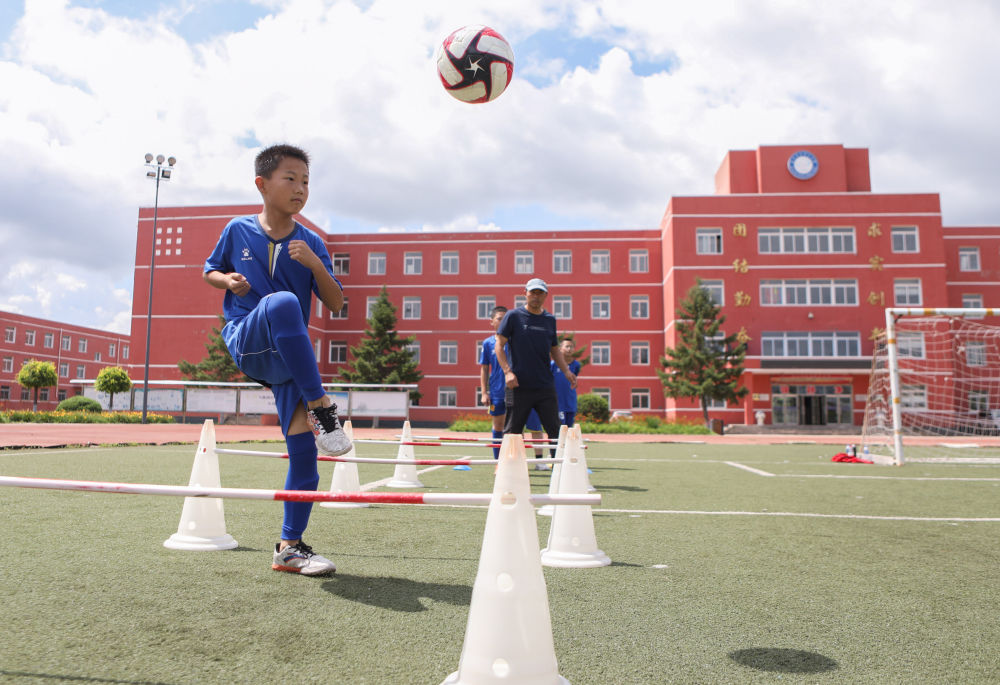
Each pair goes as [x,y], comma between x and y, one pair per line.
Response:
[934,390]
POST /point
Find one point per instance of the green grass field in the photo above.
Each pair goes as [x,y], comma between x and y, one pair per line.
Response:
[819,573]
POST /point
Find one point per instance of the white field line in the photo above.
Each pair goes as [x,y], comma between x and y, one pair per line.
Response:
[379,483]
[941,519]
[844,476]
[751,469]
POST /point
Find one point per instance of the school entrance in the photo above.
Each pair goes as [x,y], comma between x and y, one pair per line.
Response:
[811,404]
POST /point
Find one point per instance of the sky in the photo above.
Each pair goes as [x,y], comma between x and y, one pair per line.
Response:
[615,106]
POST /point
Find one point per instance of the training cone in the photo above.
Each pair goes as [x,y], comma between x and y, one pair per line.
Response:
[405,475]
[345,476]
[546,510]
[203,522]
[508,638]
[572,542]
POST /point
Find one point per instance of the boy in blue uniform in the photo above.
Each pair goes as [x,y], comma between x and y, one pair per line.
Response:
[566,394]
[530,332]
[270,265]
[494,388]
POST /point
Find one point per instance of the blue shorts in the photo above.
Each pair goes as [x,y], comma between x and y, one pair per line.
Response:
[533,423]
[497,408]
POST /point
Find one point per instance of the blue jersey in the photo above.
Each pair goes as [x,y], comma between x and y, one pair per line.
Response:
[245,248]
[497,382]
[565,394]
[531,338]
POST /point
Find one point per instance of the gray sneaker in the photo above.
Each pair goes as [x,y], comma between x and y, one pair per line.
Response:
[299,558]
[325,425]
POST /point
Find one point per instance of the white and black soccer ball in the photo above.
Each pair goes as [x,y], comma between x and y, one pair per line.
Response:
[475,64]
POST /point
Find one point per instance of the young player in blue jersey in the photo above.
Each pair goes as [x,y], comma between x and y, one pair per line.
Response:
[565,393]
[494,388]
[270,265]
[530,332]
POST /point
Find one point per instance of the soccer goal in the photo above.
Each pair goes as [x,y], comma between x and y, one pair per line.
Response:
[934,390]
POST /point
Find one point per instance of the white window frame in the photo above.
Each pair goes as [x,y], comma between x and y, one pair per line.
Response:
[562,261]
[975,353]
[600,353]
[905,239]
[708,240]
[638,306]
[413,263]
[447,352]
[485,304]
[907,292]
[339,346]
[638,261]
[411,309]
[968,259]
[524,261]
[447,396]
[716,289]
[562,307]
[341,263]
[448,308]
[639,353]
[639,398]
[600,261]
[376,263]
[486,262]
[449,263]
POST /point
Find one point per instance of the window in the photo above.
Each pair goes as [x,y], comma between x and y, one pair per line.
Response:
[64,370]
[640,398]
[639,306]
[370,303]
[4,392]
[484,306]
[602,392]
[906,292]
[600,353]
[341,264]
[413,263]
[43,395]
[61,394]
[708,241]
[8,364]
[342,314]
[447,352]
[979,401]
[968,259]
[97,356]
[411,308]
[414,349]
[376,263]
[449,262]
[81,345]
[9,334]
[600,261]
[49,340]
[975,353]
[640,353]
[124,351]
[817,240]
[447,397]
[111,350]
[905,239]
[25,394]
[810,344]
[716,291]
[562,262]
[638,261]
[971,301]
[524,262]
[448,308]
[562,306]
[910,344]
[486,262]
[66,343]
[29,337]
[817,292]
[338,352]
[600,307]
[81,371]
[519,300]
[913,397]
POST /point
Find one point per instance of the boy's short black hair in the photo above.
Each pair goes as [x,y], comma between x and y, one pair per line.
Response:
[269,158]
[497,310]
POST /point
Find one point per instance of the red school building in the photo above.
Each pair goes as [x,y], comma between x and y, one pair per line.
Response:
[799,252]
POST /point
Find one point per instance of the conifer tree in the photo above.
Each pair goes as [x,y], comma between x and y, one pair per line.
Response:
[382,357]
[703,366]
[218,365]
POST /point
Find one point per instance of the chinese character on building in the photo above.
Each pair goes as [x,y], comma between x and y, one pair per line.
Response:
[740,266]
[876,263]
[877,298]
[874,230]
[742,299]
[740,230]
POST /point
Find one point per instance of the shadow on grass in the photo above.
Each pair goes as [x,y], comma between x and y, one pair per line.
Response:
[398,594]
[624,488]
[783,660]
[74,678]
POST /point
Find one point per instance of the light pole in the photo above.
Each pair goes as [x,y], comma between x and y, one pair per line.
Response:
[156,171]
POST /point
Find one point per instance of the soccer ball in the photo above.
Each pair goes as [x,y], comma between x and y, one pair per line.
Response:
[475,64]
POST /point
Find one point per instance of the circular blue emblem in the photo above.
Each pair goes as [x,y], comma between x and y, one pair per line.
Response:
[803,165]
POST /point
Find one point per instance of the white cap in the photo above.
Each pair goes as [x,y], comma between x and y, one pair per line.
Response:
[536,284]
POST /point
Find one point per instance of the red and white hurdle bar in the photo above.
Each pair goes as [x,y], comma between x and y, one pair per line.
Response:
[379,460]
[445,441]
[441,498]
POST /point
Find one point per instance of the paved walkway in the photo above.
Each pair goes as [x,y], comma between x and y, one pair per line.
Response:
[15,435]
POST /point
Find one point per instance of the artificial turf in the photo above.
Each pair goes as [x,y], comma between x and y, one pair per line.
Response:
[720,574]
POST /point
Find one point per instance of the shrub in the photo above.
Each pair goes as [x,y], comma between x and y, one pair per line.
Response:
[592,408]
[79,403]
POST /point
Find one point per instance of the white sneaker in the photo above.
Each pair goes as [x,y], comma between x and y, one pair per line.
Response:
[543,467]
[299,558]
[325,425]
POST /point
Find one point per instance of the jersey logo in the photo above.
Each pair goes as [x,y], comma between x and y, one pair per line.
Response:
[246,255]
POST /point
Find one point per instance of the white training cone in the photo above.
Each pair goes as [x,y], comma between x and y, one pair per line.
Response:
[203,522]
[572,542]
[345,476]
[546,510]
[508,638]
[405,475]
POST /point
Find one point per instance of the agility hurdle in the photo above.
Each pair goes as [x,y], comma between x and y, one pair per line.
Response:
[376,460]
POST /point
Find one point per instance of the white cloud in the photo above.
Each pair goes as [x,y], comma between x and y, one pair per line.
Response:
[84,94]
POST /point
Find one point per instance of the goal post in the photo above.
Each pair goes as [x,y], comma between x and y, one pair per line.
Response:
[934,389]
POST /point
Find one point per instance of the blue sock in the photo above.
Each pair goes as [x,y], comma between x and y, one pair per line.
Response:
[303,474]
[497,437]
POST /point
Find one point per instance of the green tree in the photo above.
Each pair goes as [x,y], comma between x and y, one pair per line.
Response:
[218,364]
[704,365]
[36,374]
[382,356]
[112,379]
